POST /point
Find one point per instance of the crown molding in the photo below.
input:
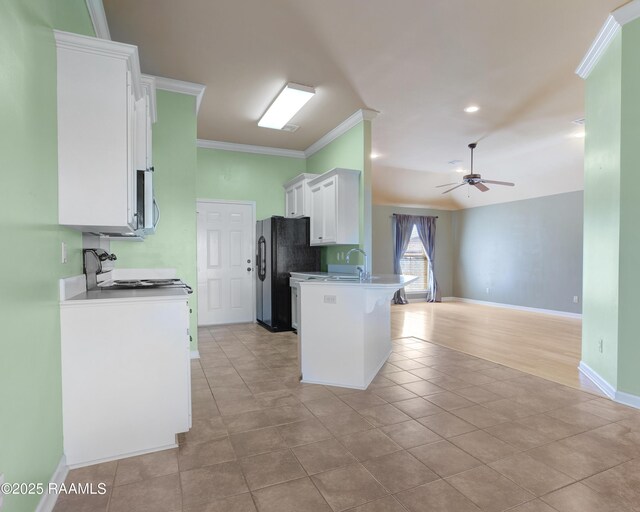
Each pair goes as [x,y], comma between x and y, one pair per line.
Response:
[179,86]
[247,148]
[616,20]
[98,19]
[104,47]
[357,117]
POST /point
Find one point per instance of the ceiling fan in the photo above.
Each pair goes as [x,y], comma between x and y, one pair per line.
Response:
[474,179]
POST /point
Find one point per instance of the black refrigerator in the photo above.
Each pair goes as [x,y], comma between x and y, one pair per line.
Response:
[283,247]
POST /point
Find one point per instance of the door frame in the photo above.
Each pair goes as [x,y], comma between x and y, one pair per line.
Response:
[253,245]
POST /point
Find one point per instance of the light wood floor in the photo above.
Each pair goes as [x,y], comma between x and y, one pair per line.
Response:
[548,346]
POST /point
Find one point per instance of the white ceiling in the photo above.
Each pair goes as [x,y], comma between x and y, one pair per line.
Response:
[418,62]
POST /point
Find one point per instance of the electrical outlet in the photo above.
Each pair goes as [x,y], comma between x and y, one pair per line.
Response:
[63,255]
[601,346]
[329,299]
[575,299]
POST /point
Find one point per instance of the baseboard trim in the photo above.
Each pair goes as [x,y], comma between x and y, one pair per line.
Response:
[615,395]
[594,377]
[628,399]
[554,312]
[48,501]
[195,354]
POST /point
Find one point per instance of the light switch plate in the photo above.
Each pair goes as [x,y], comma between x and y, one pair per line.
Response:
[63,255]
[329,299]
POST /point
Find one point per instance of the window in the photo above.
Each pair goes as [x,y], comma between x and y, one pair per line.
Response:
[414,262]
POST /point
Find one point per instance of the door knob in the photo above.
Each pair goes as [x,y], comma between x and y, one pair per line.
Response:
[248,261]
[248,269]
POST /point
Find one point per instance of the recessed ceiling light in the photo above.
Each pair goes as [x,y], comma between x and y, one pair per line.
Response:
[471,109]
[461,170]
[579,135]
[374,156]
[286,105]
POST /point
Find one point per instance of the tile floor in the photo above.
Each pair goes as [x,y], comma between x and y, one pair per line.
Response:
[436,431]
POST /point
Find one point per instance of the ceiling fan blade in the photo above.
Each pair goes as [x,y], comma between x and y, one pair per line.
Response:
[446,185]
[481,187]
[457,186]
[506,183]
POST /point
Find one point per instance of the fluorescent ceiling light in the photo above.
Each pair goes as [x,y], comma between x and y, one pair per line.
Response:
[286,105]
[471,109]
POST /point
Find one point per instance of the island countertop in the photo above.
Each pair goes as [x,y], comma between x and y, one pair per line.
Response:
[375,281]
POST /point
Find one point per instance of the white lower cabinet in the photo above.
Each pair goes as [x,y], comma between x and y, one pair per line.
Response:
[126,384]
[335,207]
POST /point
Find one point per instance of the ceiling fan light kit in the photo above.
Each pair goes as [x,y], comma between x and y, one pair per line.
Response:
[474,179]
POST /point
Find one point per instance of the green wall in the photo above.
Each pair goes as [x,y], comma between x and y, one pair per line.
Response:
[175,162]
[350,151]
[253,177]
[602,214]
[629,283]
[246,177]
[30,375]
[612,238]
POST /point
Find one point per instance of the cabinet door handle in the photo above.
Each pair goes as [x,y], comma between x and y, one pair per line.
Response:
[319,238]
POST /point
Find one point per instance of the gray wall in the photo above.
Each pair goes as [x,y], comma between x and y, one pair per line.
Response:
[527,253]
[383,243]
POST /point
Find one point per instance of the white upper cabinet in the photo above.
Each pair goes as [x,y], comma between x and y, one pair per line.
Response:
[335,200]
[99,86]
[297,196]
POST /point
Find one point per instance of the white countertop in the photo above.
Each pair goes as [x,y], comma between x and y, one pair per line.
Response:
[376,281]
[128,294]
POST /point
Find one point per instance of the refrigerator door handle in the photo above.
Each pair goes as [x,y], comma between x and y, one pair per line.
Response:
[262,258]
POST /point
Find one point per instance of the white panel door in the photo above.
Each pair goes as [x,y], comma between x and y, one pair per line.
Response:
[226,286]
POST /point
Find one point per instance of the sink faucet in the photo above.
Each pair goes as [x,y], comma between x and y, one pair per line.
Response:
[364,274]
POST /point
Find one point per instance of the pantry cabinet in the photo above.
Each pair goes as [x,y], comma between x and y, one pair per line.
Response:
[335,208]
[297,196]
[99,86]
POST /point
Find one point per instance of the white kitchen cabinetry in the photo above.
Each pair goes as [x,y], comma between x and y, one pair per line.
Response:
[145,112]
[297,196]
[335,210]
[125,374]
[98,87]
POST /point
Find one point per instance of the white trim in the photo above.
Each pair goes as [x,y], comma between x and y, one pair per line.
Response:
[48,501]
[616,20]
[103,47]
[98,19]
[195,354]
[554,312]
[594,377]
[248,148]
[628,399]
[182,87]
[357,117]
[124,455]
[253,251]
[615,395]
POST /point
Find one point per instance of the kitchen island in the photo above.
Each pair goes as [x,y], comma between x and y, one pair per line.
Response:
[345,327]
